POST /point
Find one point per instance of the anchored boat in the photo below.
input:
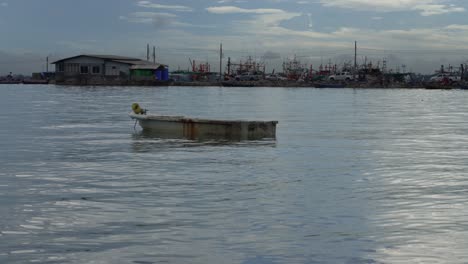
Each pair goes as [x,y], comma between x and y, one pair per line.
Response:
[195,128]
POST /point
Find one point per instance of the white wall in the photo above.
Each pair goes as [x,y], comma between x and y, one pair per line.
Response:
[114,68]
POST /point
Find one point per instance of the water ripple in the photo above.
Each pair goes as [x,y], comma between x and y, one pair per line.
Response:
[355,176]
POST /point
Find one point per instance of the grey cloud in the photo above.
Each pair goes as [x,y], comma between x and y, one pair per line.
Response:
[270,55]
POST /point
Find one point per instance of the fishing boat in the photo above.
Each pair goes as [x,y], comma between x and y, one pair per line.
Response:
[200,129]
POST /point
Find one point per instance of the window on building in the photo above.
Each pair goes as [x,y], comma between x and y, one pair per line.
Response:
[84,69]
[60,67]
[96,69]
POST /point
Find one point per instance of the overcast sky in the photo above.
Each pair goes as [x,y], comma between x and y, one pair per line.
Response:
[421,34]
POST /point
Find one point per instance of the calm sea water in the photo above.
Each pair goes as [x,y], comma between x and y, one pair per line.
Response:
[355,176]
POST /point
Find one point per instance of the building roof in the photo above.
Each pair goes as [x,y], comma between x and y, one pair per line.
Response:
[111,57]
[121,59]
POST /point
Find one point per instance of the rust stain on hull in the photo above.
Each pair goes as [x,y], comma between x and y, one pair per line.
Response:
[190,129]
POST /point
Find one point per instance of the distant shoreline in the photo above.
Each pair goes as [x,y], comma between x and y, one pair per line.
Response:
[262,83]
[266,84]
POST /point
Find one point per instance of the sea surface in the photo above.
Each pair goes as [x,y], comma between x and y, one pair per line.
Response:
[354,176]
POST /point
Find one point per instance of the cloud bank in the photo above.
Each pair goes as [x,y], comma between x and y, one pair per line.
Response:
[425,7]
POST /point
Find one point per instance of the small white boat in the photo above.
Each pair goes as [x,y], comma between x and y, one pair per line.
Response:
[194,128]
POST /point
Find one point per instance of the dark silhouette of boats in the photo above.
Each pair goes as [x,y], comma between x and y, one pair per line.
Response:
[438,86]
[329,85]
[10,82]
[35,81]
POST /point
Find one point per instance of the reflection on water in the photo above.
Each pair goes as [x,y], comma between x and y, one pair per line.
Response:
[355,176]
[144,140]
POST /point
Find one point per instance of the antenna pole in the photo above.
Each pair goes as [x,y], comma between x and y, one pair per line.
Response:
[220,62]
[355,58]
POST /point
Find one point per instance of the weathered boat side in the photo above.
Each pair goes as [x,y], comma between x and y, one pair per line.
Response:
[193,128]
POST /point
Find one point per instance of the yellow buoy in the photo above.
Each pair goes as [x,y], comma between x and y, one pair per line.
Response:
[136,109]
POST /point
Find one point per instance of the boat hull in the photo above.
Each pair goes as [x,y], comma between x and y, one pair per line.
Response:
[181,127]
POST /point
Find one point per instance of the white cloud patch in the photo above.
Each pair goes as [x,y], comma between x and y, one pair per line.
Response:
[157,20]
[148,17]
[231,1]
[456,27]
[237,10]
[425,7]
[429,10]
[149,4]
[264,19]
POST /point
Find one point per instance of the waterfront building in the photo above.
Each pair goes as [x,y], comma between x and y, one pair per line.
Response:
[107,69]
